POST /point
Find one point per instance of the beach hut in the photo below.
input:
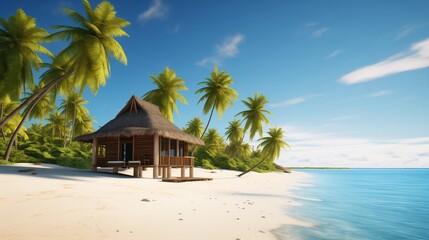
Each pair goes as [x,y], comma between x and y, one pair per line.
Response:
[140,137]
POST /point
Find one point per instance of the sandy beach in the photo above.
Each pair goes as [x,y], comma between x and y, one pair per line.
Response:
[53,202]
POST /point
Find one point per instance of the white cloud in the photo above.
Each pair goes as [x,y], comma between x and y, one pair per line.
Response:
[294,101]
[416,58]
[380,93]
[228,49]
[156,11]
[210,61]
[319,32]
[330,150]
[404,31]
[333,54]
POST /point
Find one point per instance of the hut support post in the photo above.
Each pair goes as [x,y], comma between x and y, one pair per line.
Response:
[169,172]
[155,155]
[191,172]
[182,172]
[94,154]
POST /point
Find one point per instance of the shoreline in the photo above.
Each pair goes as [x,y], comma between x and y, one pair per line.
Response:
[52,202]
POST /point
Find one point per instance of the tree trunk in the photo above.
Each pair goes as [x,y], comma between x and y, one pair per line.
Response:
[256,165]
[210,118]
[41,91]
[27,113]
[74,122]
[1,118]
[13,137]
[65,126]
[244,132]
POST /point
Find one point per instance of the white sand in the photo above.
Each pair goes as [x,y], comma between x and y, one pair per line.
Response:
[64,203]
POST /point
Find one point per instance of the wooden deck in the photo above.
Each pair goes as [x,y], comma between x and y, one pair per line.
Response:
[186,179]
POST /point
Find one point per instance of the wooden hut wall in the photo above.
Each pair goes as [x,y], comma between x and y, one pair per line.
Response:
[112,150]
[143,147]
[186,153]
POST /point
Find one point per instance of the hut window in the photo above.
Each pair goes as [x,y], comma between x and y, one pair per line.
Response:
[173,147]
[164,146]
[101,151]
[181,148]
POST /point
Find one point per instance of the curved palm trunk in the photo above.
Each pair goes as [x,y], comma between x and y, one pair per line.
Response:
[1,117]
[13,137]
[74,121]
[65,127]
[256,165]
[40,92]
[36,99]
[244,131]
[208,123]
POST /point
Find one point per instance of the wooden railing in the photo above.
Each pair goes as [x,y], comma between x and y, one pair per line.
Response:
[186,161]
[176,161]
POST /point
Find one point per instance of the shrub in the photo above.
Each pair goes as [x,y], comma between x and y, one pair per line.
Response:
[79,163]
[206,164]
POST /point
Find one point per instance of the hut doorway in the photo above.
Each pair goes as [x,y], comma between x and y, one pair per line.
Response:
[127,152]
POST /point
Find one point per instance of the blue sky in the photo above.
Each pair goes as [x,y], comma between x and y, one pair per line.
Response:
[347,80]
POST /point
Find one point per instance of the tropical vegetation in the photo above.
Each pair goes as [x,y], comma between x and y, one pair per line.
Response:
[39,118]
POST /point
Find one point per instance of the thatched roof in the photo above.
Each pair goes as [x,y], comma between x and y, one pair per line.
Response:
[139,117]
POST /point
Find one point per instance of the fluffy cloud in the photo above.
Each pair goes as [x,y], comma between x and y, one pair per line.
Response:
[294,101]
[318,149]
[229,48]
[156,11]
[416,58]
[333,54]
[319,32]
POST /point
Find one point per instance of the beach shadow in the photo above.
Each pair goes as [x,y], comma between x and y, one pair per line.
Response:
[57,172]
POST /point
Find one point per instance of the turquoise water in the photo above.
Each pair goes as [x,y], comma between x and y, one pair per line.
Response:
[362,204]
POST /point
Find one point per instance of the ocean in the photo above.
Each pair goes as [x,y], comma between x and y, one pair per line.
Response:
[362,204]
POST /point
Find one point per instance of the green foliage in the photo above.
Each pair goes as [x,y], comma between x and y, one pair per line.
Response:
[79,163]
[36,153]
[206,164]
[49,150]
[167,93]
[255,115]
[194,127]
[217,93]
[223,161]
[20,43]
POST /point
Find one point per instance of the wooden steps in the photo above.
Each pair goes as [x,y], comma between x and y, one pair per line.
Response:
[186,179]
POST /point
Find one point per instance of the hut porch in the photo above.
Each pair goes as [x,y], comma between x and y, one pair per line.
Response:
[139,152]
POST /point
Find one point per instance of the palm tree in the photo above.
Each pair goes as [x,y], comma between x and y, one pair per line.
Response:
[166,95]
[234,132]
[87,56]
[194,127]
[83,125]
[217,94]
[255,116]
[72,107]
[271,147]
[7,106]
[35,133]
[45,105]
[213,141]
[56,125]
[20,40]
[238,149]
